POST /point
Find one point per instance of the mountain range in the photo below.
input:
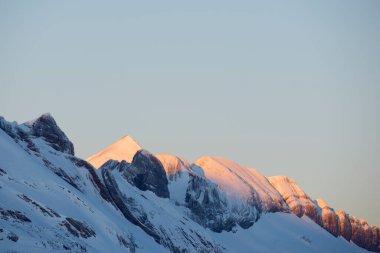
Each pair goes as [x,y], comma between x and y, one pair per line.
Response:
[126,199]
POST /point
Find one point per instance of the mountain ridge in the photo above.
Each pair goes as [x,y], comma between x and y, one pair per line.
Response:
[162,202]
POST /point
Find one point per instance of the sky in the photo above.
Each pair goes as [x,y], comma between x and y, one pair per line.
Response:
[287,87]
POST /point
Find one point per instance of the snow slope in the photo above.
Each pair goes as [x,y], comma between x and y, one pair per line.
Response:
[285,233]
[241,182]
[50,202]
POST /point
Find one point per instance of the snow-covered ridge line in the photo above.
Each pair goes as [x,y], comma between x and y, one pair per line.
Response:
[133,200]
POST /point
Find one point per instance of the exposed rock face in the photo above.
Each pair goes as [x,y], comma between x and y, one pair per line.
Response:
[375,240]
[367,234]
[211,207]
[46,127]
[296,198]
[344,225]
[150,174]
[139,210]
[330,221]
[145,172]
[359,232]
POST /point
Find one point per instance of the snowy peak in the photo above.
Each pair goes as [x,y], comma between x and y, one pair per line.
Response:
[123,149]
[45,126]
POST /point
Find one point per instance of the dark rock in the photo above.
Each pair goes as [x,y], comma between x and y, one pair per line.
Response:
[345,225]
[8,128]
[16,215]
[12,237]
[46,127]
[2,172]
[210,209]
[78,228]
[147,173]
[62,174]
[375,239]
[129,243]
[45,211]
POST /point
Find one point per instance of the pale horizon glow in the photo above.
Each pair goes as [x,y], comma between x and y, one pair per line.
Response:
[289,88]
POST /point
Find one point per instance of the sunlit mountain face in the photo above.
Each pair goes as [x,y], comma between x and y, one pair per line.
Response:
[126,199]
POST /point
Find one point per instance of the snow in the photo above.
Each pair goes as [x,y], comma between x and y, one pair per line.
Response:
[26,174]
[290,191]
[285,233]
[173,164]
[124,149]
[239,181]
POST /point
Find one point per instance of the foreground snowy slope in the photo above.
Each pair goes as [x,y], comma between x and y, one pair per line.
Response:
[48,203]
[286,233]
[138,202]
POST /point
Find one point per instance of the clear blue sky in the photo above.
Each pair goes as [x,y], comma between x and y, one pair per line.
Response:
[288,87]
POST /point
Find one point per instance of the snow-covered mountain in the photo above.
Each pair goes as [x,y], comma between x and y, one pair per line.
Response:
[125,199]
[123,149]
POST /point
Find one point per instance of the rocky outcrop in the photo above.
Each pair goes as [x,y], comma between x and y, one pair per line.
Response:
[210,207]
[78,228]
[375,240]
[46,127]
[299,202]
[360,232]
[345,229]
[330,220]
[147,173]
[363,235]
[337,223]
[116,177]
